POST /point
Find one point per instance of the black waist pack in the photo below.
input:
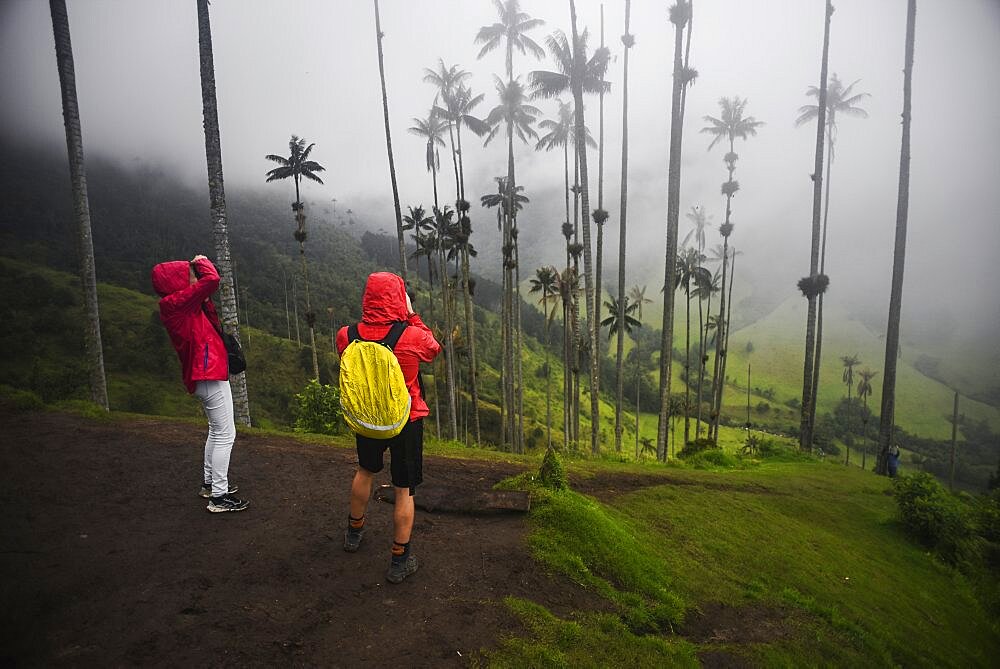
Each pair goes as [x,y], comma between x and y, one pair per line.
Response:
[237,361]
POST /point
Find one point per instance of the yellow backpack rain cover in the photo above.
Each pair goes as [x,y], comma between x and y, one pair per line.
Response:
[373,394]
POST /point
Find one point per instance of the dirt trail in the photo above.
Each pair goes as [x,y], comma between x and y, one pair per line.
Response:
[108,557]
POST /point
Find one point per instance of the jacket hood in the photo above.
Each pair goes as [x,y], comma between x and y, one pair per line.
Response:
[169,277]
[384,300]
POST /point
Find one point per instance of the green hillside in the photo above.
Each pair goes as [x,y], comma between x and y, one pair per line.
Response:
[922,403]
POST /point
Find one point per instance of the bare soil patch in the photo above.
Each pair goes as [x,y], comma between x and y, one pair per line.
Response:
[108,556]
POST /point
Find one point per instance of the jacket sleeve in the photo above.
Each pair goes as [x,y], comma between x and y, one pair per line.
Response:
[191,298]
[425,346]
[341,340]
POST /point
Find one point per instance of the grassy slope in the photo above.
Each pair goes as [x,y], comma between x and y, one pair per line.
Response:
[813,544]
[921,403]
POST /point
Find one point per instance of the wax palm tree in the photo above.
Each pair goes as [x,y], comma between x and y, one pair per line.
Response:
[467,250]
[567,287]
[510,31]
[680,16]
[81,202]
[839,100]
[888,412]
[730,125]
[578,79]
[431,130]
[864,392]
[426,243]
[456,108]
[637,296]
[447,80]
[560,134]
[690,274]
[815,284]
[706,284]
[544,282]
[849,362]
[613,323]
[516,117]
[388,144]
[443,229]
[217,200]
[701,221]
[620,320]
[628,41]
[549,84]
[298,166]
[422,226]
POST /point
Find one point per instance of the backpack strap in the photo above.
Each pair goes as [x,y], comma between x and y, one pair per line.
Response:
[352,333]
[395,332]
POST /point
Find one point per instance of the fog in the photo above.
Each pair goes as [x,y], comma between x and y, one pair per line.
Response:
[310,68]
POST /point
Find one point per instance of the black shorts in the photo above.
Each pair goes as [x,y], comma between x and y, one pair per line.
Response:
[406,455]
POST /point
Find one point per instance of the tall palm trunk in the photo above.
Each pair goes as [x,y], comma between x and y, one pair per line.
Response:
[509,292]
[822,270]
[620,353]
[81,202]
[576,296]
[687,366]
[599,218]
[518,370]
[300,236]
[806,427]
[548,369]
[470,324]
[567,379]
[471,336]
[288,320]
[720,330]
[589,288]
[670,264]
[388,146]
[725,345]
[449,341]
[637,374]
[702,354]
[888,411]
[295,312]
[847,461]
[217,199]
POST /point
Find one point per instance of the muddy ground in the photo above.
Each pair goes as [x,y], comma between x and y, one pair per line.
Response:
[108,556]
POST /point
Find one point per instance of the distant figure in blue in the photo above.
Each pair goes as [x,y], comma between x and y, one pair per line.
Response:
[893,462]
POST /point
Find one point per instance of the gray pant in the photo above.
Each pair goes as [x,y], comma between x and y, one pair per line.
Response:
[217,399]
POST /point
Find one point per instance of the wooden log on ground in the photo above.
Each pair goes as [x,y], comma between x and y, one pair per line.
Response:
[452,499]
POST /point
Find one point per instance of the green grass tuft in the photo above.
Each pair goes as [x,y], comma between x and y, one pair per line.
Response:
[591,640]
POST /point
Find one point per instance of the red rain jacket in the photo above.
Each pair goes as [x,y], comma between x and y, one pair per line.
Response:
[183,312]
[384,303]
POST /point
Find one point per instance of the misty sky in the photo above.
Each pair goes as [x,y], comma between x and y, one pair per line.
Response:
[310,68]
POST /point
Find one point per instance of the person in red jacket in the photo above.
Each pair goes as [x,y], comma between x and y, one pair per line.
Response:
[385,302]
[189,316]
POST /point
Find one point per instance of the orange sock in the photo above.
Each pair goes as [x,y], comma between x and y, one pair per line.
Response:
[355,523]
[398,549]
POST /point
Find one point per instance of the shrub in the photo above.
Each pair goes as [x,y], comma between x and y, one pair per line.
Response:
[713,457]
[552,473]
[935,518]
[317,409]
[696,446]
[21,400]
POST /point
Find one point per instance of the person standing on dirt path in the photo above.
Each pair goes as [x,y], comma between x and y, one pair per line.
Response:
[192,322]
[384,303]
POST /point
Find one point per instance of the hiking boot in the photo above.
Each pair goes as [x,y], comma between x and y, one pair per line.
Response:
[206,490]
[226,503]
[352,538]
[398,570]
